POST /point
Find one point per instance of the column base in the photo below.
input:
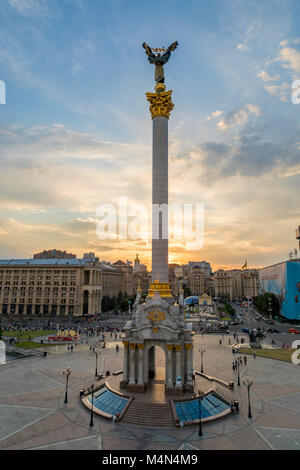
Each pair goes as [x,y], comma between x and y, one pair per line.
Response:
[189,387]
[123,383]
[135,388]
[169,389]
[178,390]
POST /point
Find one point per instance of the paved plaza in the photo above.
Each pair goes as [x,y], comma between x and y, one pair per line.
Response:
[34,415]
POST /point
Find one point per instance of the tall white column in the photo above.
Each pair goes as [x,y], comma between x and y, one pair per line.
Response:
[159,197]
[125,362]
[169,371]
[189,363]
[178,366]
[141,365]
[132,364]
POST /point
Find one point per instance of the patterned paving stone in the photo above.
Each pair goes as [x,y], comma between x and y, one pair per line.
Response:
[85,443]
[274,415]
[187,446]
[15,418]
[281,439]
[288,401]
[247,438]
[41,399]
[162,437]
[206,435]
[123,435]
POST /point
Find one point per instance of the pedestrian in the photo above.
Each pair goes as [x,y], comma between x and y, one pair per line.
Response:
[245,360]
[254,355]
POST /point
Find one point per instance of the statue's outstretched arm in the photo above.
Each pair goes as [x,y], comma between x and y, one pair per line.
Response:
[173,46]
[166,56]
[151,56]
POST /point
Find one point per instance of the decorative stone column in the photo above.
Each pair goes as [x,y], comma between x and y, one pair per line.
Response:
[189,367]
[132,385]
[91,303]
[169,372]
[178,387]
[141,383]
[160,107]
[124,382]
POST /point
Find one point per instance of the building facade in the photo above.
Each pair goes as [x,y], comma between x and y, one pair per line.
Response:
[236,284]
[64,287]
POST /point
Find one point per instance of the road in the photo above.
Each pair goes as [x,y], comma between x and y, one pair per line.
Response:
[250,319]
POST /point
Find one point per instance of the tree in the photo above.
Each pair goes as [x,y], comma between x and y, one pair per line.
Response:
[265,301]
[124,305]
[113,302]
[105,304]
[187,291]
[119,298]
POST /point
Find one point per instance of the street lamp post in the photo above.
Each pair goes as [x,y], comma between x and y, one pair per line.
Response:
[201,351]
[238,367]
[67,372]
[201,395]
[270,308]
[248,383]
[96,354]
[92,390]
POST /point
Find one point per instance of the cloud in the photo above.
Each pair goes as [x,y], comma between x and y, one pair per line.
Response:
[238,117]
[287,66]
[279,91]
[37,8]
[242,47]
[290,59]
[214,115]
[266,77]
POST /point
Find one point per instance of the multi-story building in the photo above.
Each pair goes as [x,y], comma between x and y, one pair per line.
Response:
[52,287]
[198,281]
[173,279]
[236,284]
[203,266]
[127,278]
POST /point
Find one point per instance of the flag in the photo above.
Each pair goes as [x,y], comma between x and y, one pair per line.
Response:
[245,265]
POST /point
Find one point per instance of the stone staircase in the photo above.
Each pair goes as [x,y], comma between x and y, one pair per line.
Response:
[149,414]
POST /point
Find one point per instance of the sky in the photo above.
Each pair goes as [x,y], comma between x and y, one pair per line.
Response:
[76,132]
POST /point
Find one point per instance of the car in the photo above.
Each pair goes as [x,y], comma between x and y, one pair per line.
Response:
[293,331]
[257,319]
[270,322]
[233,323]
[240,322]
[272,330]
[245,330]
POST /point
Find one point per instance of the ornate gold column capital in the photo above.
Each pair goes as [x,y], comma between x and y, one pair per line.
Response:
[170,347]
[178,347]
[140,345]
[160,102]
[125,344]
[132,345]
[188,346]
